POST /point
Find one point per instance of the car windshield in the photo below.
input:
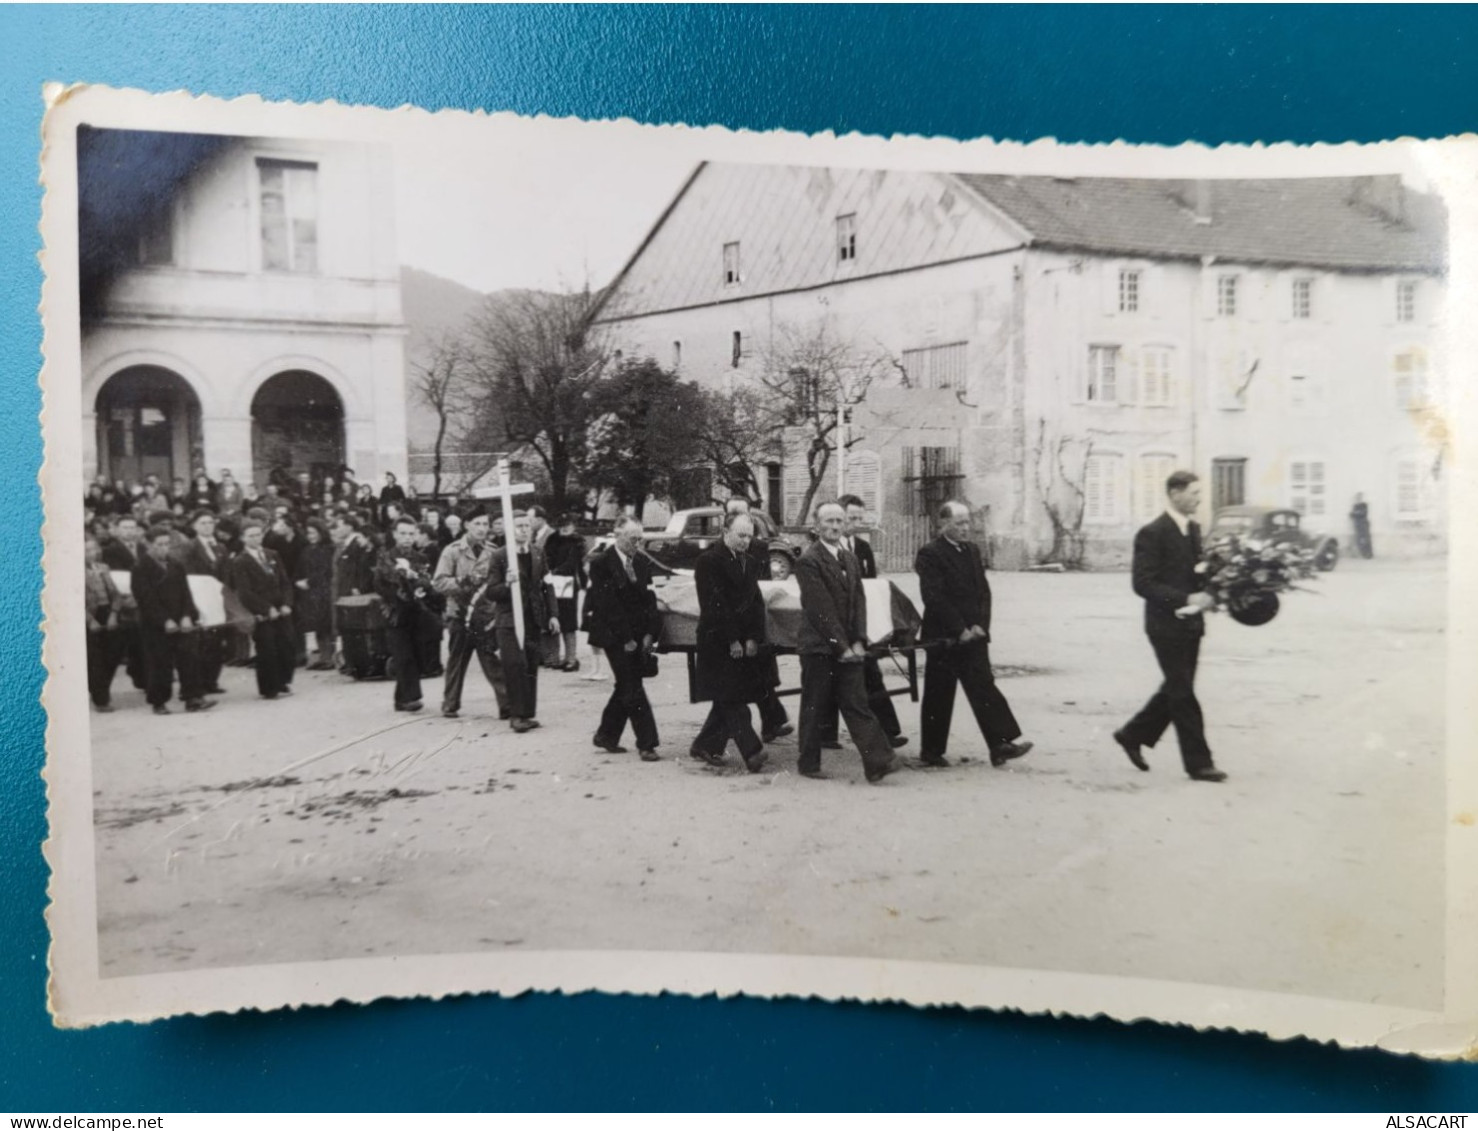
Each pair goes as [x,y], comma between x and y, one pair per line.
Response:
[1237,523]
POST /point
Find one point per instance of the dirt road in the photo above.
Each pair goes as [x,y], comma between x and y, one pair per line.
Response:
[327,826]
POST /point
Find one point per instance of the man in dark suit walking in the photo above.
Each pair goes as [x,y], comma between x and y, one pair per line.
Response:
[624,621]
[1165,555]
[265,590]
[520,663]
[731,629]
[832,643]
[877,691]
[404,584]
[774,721]
[169,626]
[957,608]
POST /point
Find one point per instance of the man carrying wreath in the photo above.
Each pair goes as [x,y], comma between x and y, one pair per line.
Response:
[1165,555]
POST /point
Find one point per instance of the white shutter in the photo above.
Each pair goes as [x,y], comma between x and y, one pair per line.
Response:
[1129,363]
[864,479]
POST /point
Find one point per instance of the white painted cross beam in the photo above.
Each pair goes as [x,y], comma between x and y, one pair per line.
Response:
[505,491]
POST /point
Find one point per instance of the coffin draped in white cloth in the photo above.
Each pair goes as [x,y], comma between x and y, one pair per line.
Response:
[891,616]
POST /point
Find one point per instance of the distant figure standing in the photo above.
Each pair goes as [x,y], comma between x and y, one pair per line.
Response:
[1360,517]
[168,626]
[1165,555]
[265,589]
[404,584]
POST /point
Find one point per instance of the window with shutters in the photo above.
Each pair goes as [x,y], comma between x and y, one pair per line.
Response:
[1103,489]
[1228,482]
[1409,368]
[289,215]
[1414,487]
[1227,288]
[731,264]
[937,367]
[1306,487]
[1406,300]
[1129,284]
[847,237]
[1149,484]
[1157,375]
[931,476]
[1101,385]
[1303,299]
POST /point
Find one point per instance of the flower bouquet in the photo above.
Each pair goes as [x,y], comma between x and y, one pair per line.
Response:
[1245,575]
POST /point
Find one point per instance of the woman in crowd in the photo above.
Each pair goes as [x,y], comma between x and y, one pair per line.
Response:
[565,551]
[313,578]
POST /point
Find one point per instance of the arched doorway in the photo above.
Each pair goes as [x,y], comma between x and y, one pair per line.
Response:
[297,424]
[148,423]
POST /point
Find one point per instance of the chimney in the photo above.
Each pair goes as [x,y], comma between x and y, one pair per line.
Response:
[1203,202]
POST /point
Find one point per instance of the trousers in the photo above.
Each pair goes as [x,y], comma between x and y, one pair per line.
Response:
[520,670]
[460,646]
[966,666]
[165,654]
[277,650]
[727,721]
[628,702]
[827,684]
[1174,703]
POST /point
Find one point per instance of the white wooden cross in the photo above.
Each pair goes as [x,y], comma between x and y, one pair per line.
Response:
[506,490]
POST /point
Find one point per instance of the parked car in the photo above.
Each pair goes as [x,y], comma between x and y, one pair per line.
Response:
[689,532]
[1281,525]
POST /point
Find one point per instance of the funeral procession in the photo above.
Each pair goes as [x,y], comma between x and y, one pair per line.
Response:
[956,566]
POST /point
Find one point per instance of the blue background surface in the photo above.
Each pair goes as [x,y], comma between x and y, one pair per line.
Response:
[1146,74]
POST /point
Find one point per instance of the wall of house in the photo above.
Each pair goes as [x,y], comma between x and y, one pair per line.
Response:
[224,323]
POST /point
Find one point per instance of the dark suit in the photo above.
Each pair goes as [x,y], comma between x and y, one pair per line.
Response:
[163,594]
[731,611]
[404,611]
[772,711]
[214,640]
[620,610]
[877,691]
[833,618]
[262,587]
[520,667]
[1165,576]
[956,597]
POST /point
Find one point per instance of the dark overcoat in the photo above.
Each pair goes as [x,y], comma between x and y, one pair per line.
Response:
[1165,576]
[731,610]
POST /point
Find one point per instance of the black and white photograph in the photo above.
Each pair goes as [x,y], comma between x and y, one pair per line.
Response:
[488,553]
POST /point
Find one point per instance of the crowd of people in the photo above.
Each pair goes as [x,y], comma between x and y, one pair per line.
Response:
[382,582]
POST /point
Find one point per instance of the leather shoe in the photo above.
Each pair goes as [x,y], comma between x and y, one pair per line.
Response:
[608,746]
[1210,773]
[450,713]
[756,762]
[650,756]
[934,760]
[416,706]
[1131,749]
[161,709]
[199,704]
[779,732]
[103,708]
[1006,751]
[898,740]
[875,776]
[215,691]
[831,744]
[523,726]
[814,775]
[707,756]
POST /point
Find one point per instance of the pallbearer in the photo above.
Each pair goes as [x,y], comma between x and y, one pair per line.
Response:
[624,621]
[731,632]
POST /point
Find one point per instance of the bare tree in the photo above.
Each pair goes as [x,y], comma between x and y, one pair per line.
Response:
[736,433]
[809,379]
[441,378]
[1060,468]
[535,365]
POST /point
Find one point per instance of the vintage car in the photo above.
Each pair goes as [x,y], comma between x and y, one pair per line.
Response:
[1280,525]
[689,532]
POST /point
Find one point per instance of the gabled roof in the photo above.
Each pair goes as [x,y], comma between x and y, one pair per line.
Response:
[1343,223]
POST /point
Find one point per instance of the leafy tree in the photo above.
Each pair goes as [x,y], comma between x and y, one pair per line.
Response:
[645,432]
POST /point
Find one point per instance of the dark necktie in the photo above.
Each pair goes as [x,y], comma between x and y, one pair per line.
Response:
[630,569]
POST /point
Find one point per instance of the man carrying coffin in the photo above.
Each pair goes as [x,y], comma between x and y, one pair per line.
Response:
[774,722]
[957,608]
[832,644]
[265,590]
[731,630]
[203,556]
[169,623]
[520,664]
[624,621]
